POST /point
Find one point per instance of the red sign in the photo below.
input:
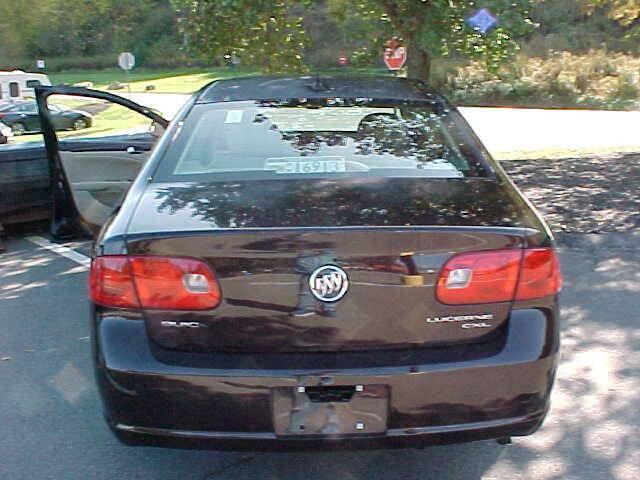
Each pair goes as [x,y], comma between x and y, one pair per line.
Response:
[395,58]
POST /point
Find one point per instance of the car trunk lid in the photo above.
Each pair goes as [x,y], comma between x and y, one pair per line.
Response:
[264,242]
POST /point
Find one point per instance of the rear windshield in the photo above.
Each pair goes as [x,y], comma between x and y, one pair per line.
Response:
[334,137]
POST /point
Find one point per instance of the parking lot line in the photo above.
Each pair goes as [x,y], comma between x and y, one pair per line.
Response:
[60,250]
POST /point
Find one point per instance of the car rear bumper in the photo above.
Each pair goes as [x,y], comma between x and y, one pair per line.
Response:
[148,401]
[393,438]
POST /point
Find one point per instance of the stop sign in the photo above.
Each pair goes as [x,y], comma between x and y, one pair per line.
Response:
[395,58]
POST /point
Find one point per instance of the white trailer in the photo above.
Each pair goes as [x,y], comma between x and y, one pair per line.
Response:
[19,85]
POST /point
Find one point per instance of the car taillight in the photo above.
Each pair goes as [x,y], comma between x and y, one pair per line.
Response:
[479,277]
[111,282]
[499,276]
[540,276]
[153,283]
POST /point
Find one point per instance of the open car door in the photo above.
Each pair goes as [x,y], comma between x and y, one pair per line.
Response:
[96,144]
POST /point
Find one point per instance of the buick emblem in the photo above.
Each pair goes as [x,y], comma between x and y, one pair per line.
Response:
[329,283]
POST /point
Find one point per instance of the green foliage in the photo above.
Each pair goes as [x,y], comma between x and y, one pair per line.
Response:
[294,35]
[362,28]
[437,28]
[623,11]
[597,79]
[264,33]
[568,25]
[360,22]
[84,28]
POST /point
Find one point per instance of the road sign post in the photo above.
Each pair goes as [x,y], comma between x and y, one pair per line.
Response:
[126,61]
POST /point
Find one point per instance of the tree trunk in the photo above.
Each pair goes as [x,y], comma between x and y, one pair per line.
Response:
[418,63]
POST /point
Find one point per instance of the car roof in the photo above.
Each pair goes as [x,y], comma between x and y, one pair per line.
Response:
[25,106]
[315,86]
[16,103]
[6,106]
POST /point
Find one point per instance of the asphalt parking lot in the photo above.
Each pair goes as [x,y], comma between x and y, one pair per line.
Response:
[51,425]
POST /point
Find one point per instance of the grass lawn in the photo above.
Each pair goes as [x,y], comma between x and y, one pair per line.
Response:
[166,81]
[101,78]
[114,120]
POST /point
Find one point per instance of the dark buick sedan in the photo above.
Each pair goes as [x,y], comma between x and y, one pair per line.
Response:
[319,262]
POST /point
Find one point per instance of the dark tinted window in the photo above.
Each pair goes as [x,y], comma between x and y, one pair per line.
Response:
[33,83]
[330,137]
[14,89]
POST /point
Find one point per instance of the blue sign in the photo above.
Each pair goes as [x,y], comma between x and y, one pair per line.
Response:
[483,21]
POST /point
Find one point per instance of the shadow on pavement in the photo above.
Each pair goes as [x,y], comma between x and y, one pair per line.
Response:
[584,195]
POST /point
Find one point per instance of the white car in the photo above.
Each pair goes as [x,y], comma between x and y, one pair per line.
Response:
[6,134]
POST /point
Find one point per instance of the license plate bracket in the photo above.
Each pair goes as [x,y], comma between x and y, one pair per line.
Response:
[364,411]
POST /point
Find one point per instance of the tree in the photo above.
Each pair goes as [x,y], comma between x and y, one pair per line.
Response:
[265,33]
[72,29]
[270,33]
[362,28]
[434,28]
